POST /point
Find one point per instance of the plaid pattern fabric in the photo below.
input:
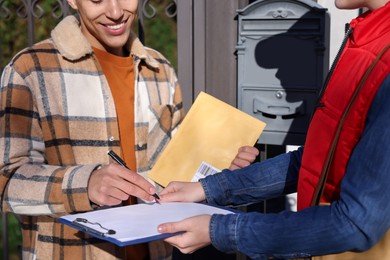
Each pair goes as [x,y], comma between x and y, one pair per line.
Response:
[57,122]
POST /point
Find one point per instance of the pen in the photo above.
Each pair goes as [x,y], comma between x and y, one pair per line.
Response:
[121,162]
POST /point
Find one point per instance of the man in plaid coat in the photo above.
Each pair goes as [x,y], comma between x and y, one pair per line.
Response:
[91,87]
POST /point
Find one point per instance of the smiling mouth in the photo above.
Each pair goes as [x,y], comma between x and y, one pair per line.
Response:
[116,26]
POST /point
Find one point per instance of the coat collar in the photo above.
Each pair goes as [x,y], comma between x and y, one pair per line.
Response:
[73,45]
[370,25]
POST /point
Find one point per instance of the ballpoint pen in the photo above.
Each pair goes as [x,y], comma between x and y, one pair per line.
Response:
[121,162]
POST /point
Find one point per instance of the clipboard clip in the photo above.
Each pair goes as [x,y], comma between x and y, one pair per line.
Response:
[77,222]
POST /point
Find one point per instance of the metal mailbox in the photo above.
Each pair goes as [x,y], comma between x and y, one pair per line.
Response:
[282,60]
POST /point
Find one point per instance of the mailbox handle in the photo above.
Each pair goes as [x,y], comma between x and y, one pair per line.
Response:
[288,109]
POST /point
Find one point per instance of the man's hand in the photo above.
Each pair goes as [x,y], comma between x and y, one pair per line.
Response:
[245,156]
[112,184]
[196,233]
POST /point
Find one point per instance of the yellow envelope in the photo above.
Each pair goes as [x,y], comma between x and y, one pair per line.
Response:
[206,141]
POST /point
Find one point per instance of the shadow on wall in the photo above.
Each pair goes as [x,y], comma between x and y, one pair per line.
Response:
[291,68]
[291,56]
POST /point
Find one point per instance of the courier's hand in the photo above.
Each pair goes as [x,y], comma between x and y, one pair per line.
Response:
[245,156]
[183,191]
[112,184]
[196,233]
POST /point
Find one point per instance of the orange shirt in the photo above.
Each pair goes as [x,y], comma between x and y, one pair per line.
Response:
[119,72]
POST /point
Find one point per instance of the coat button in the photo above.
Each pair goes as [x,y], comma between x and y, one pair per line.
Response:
[111,138]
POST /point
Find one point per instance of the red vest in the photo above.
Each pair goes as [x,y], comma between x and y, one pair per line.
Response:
[371,34]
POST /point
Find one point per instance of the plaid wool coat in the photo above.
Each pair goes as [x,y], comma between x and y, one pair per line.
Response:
[57,122]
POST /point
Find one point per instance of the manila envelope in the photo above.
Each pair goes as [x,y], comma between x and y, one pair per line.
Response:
[210,135]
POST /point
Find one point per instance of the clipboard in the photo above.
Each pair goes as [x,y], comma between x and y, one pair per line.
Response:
[206,142]
[135,224]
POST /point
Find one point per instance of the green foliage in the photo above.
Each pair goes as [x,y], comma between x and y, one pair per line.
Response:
[14,25]
[160,32]
[14,238]
[12,37]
